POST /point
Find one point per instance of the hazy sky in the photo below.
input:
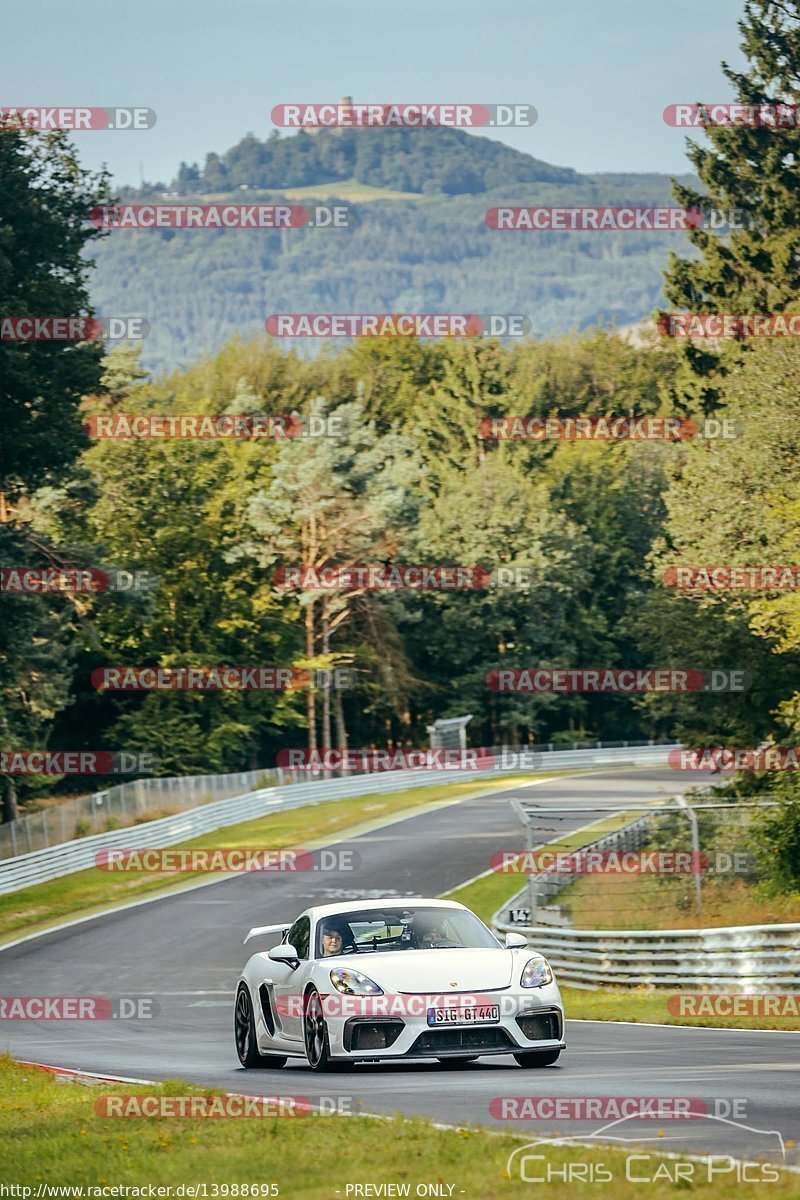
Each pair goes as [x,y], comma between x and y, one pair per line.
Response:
[599,72]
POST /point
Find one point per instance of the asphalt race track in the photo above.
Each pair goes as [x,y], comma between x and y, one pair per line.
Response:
[186,952]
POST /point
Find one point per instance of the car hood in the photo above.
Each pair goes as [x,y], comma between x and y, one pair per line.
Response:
[444,971]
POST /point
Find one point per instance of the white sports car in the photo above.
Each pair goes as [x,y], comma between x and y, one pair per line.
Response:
[381,979]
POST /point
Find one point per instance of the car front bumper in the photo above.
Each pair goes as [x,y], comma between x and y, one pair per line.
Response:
[529,1021]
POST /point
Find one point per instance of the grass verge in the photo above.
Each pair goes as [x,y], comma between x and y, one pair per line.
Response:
[86,892]
[51,1136]
[667,902]
[641,1006]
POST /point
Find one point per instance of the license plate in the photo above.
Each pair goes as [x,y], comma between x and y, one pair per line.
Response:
[484,1014]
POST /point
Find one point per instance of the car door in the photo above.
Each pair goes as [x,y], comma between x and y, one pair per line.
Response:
[288,983]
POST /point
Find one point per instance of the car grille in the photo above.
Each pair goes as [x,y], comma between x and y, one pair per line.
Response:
[440,1041]
[371,1035]
[541,1026]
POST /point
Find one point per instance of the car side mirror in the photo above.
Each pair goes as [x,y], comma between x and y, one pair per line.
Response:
[515,941]
[285,953]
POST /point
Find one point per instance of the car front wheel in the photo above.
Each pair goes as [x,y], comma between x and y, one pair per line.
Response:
[244,1030]
[315,1036]
[315,1033]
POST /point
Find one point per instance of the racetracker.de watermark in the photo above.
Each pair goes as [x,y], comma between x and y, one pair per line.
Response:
[78,1008]
[624,680]
[438,1009]
[227,860]
[618,862]
[781,578]
[76,120]
[77,762]
[219,679]
[757,116]
[608,429]
[203,426]
[612,1108]
[381,577]
[419,325]
[72,329]
[402,115]
[195,1107]
[222,216]
[394,758]
[590,220]
[727,758]
[728,325]
[744,1007]
[36,580]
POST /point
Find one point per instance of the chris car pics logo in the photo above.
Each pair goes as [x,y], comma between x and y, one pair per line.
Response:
[535,1163]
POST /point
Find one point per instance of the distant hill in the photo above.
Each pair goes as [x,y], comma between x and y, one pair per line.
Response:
[424,161]
[420,243]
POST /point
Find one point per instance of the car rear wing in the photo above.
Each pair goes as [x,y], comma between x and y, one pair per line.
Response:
[259,929]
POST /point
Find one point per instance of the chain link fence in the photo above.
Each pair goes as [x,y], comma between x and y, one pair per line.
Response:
[124,805]
[140,800]
[702,925]
[697,857]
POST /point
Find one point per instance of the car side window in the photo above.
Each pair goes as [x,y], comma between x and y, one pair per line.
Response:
[299,936]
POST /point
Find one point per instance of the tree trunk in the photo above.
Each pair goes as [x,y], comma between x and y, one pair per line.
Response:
[10,809]
[311,706]
[326,694]
[341,731]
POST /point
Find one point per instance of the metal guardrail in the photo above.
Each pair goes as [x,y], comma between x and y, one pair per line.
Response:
[78,855]
[747,957]
[138,800]
[124,804]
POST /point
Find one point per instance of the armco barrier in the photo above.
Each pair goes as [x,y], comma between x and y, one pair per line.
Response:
[750,958]
[120,805]
[125,804]
[78,855]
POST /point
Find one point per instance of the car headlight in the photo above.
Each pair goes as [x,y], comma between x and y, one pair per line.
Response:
[353,983]
[537,973]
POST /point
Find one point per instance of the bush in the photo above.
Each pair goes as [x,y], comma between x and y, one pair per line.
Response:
[776,841]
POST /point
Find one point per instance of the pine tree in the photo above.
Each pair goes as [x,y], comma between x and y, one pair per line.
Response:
[44,231]
[43,272]
[750,172]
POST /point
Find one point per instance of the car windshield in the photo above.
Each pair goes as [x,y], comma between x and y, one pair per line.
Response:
[378,930]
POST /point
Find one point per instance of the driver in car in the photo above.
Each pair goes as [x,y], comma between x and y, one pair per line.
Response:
[332,941]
